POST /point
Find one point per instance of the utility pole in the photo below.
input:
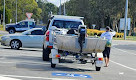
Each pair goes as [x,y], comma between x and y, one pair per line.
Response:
[4,16]
[60,8]
[125,24]
[64,8]
[16,11]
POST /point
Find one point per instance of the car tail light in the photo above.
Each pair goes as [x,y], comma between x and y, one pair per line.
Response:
[50,47]
[57,56]
[47,35]
[101,59]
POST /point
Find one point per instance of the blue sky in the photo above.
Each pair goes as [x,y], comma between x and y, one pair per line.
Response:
[56,2]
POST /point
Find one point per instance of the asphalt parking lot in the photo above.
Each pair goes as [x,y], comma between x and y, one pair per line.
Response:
[27,64]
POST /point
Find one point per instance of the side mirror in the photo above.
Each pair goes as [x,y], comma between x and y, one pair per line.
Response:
[18,24]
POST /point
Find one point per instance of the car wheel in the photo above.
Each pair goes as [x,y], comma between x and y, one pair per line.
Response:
[46,53]
[15,44]
[11,31]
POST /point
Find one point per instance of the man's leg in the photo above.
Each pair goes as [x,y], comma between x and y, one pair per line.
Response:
[106,61]
[105,55]
[108,56]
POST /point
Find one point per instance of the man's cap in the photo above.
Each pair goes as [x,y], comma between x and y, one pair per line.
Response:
[108,28]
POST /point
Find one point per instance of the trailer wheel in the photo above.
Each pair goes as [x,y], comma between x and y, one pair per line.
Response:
[46,53]
[53,65]
[98,68]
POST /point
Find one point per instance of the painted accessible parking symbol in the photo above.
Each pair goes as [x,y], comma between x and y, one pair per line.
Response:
[71,75]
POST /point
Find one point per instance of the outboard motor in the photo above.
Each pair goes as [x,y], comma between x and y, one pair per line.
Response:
[81,36]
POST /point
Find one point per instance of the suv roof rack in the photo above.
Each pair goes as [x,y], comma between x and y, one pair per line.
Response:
[67,17]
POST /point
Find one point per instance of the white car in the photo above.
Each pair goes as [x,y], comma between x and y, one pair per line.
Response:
[32,38]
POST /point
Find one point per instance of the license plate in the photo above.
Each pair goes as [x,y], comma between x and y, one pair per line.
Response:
[99,62]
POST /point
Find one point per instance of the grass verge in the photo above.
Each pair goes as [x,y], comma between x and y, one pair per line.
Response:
[131,38]
[0,37]
[1,28]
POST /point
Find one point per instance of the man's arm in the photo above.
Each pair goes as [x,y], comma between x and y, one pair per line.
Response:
[102,35]
[113,32]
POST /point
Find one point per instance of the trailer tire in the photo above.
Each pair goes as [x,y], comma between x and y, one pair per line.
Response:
[98,68]
[53,65]
[46,53]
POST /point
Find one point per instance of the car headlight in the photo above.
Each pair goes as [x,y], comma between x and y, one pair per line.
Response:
[4,37]
[6,26]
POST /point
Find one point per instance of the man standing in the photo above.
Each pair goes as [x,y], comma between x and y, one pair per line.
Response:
[108,35]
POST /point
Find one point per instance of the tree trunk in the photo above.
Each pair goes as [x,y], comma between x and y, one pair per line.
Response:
[102,23]
[133,25]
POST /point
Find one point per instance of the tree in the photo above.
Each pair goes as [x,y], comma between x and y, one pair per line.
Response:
[99,12]
[23,7]
[46,9]
[132,11]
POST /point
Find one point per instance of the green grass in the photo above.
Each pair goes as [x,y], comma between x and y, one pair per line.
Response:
[1,28]
[131,38]
[0,37]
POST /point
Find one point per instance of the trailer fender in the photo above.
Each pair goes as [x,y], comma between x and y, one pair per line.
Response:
[54,56]
[99,60]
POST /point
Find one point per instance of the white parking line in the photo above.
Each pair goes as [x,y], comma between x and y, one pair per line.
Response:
[9,62]
[31,77]
[123,65]
[7,78]
[124,51]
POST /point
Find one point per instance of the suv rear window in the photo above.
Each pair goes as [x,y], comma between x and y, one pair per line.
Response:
[66,24]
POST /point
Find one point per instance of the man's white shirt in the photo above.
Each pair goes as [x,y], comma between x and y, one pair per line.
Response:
[108,35]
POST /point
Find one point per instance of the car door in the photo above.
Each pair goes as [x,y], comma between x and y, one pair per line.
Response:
[22,26]
[34,40]
[31,24]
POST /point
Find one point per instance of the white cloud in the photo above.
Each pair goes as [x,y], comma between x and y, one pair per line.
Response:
[57,2]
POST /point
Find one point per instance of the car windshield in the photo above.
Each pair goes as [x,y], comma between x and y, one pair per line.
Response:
[66,24]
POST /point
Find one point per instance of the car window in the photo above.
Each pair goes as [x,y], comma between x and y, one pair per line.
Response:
[31,24]
[37,32]
[24,24]
[66,24]
[72,24]
[58,23]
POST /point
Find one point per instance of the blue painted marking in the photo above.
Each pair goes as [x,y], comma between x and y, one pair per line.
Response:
[71,75]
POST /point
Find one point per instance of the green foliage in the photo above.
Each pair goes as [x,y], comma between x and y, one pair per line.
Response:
[23,6]
[46,9]
[100,12]
[39,9]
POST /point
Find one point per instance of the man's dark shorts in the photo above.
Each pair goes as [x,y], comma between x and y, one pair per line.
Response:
[106,52]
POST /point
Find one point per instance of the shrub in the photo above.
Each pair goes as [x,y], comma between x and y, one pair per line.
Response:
[119,35]
[92,32]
